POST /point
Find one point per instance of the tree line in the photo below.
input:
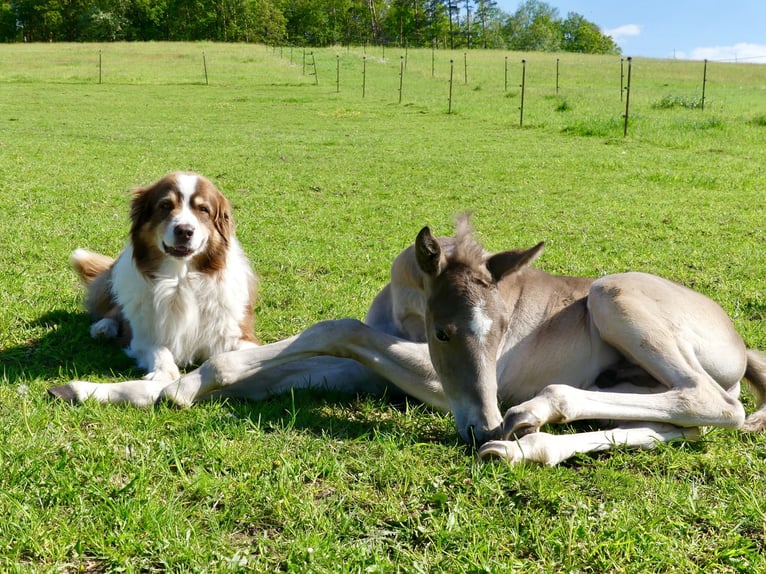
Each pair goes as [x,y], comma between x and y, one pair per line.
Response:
[453,24]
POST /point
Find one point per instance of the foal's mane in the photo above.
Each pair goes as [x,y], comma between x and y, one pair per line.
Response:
[467,250]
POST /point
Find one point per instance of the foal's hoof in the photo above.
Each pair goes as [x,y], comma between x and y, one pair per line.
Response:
[519,424]
[501,450]
[63,393]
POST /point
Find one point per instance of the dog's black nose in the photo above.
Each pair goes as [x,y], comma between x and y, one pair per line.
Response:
[183,232]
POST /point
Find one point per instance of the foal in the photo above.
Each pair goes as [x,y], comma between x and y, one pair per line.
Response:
[464,330]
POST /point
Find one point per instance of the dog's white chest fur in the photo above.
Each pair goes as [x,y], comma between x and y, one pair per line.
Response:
[194,315]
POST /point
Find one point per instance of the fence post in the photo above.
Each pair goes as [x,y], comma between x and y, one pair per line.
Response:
[314,66]
[557,76]
[364,75]
[465,66]
[337,73]
[704,83]
[622,77]
[204,65]
[99,66]
[627,98]
[401,76]
[451,69]
[523,87]
[505,82]
[433,56]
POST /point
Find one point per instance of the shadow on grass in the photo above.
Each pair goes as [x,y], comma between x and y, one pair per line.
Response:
[347,417]
[391,415]
[65,350]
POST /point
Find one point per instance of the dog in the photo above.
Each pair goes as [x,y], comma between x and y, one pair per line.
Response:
[182,290]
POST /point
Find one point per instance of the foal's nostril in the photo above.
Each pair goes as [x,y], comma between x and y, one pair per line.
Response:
[471,434]
[475,437]
[183,231]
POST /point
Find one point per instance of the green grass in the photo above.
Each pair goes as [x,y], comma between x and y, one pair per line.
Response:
[328,187]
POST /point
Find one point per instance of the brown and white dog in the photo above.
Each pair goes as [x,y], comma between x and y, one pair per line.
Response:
[182,290]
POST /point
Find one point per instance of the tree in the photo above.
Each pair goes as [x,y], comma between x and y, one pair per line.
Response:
[103,26]
[9,32]
[580,35]
[265,23]
[483,14]
[534,27]
[450,23]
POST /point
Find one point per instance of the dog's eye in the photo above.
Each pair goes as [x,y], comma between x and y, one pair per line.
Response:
[165,205]
[203,209]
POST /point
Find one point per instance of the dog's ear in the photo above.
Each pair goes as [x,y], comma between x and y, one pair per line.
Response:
[222,218]
[141,207]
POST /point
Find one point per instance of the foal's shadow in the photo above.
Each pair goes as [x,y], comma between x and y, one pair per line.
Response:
[64,350]
[340,416]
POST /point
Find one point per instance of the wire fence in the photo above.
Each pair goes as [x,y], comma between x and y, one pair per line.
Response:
[591,93]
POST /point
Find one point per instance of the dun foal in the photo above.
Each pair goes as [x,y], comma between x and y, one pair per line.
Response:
[464,330]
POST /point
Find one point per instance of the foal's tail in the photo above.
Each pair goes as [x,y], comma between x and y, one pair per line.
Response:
[756,376]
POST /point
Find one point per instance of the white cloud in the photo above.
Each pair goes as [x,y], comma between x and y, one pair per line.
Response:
[742,52]
[619,33]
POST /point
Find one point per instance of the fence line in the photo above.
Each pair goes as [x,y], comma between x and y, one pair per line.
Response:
[542,76]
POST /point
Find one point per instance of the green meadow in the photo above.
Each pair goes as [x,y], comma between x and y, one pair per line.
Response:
[334,159]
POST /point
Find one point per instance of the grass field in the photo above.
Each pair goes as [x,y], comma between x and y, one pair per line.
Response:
[328,186]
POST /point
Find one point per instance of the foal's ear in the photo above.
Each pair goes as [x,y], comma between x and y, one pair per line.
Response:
[501,264]
[428,252]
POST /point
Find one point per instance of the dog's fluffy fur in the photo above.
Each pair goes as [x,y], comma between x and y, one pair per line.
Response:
[182,290]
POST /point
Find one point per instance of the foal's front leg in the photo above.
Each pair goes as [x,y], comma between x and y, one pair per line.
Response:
[552,449]
[141,393]
[404,363]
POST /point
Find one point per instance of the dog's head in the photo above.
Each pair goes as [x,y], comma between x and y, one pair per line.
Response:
[182,216]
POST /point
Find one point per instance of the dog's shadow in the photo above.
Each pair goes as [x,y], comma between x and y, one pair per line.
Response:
[64,350]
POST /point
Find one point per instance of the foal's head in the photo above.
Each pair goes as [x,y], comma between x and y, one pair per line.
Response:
[466,319]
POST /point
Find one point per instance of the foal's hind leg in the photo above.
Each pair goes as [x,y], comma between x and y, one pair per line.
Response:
[683,340]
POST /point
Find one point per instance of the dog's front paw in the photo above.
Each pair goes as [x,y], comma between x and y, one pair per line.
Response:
[106,328]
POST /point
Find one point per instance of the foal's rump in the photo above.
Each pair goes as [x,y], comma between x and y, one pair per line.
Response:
[673,333]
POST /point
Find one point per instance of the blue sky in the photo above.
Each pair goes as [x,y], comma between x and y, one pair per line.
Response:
[684,29]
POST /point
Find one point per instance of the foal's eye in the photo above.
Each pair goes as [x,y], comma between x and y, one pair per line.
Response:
[442,335]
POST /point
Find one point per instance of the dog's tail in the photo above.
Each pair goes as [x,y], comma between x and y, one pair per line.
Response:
[756,376]
[95,270]
[89,265]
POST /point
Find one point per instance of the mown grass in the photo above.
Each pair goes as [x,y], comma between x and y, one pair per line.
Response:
[328,187]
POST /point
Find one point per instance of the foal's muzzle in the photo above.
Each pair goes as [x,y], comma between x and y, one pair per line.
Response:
[475,437]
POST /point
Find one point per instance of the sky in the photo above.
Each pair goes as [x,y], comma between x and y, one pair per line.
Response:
[732,31]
